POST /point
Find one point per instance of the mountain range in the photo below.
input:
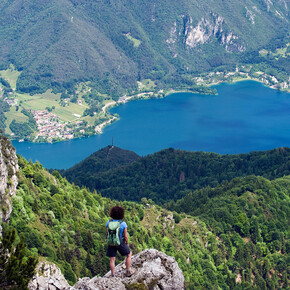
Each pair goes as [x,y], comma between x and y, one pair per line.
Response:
[115,43]
[224,218]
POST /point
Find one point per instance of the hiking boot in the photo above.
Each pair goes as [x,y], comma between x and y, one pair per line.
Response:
[130,272]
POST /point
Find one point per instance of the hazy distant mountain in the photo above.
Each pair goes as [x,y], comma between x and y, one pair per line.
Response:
[115,43]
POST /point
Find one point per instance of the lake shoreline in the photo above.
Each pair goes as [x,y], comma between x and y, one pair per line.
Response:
[172,91]
[151,95]
[242,118]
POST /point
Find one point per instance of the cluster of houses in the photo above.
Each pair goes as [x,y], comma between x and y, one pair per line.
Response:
[49,126]
[122,100]
[10,102]
[216,77]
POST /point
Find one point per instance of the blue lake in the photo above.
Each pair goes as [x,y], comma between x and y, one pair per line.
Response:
[243,117]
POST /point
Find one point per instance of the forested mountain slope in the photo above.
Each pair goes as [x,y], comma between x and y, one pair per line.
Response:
[109,157]
[234,236]
[170,174]
[115,43]
[252,212]
[240,240]
[66,225]
[242,205]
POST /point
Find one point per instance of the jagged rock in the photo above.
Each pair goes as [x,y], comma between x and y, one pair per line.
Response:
[154,270]
[8,177]
[48,277]
[98,283]
[204,31]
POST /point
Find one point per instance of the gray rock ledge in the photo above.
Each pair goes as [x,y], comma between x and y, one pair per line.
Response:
[154,270]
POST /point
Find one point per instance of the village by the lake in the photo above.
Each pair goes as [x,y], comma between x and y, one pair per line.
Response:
[72,117]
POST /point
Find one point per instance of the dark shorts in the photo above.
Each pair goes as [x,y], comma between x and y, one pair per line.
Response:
[123,249]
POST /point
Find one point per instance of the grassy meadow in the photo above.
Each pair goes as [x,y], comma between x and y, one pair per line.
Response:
[69,113]
[11,115]
[11,75]
[136,42]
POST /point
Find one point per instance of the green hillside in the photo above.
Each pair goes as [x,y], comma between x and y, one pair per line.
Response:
[71,58]
[66,225]
[238,238]
[254,212]
[233,236]
[170,174]
[109,157]
[115,43]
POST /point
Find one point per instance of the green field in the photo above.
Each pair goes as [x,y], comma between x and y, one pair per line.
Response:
[146,85]
[91,120]
[282,51]
[66,113]
[13,114]
[39,104]
[11,75]
[69,113]
[136,42]
[279,52]
[47,95]
[49,99]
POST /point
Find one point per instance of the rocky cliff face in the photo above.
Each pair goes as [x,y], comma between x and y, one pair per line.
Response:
[208,29]
[8,177]
[154,270]
[228,27]
[99,49]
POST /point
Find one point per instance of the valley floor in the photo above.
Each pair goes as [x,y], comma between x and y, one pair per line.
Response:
[59,119]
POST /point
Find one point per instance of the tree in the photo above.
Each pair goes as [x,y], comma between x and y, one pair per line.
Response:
[16,270]
[88,241]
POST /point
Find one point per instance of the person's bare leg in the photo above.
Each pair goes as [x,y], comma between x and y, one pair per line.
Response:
[128,261]
[112,265]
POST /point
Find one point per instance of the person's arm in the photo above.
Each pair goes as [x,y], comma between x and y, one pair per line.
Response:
[126,236]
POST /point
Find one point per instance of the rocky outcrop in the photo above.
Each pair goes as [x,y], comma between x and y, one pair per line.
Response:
[48,276]
[8,177]
[206,30]
[203,31]
[154,270]
[250,15]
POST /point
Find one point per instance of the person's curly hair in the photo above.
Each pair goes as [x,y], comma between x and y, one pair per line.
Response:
[117,212]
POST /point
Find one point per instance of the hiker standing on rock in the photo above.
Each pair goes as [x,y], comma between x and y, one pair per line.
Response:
[117,239]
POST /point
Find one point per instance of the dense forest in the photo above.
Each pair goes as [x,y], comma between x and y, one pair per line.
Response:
[113,44]
[170,174]
[107,158]
[234,236]
[17,266]
[66,225]
[4,107]
[255,211]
